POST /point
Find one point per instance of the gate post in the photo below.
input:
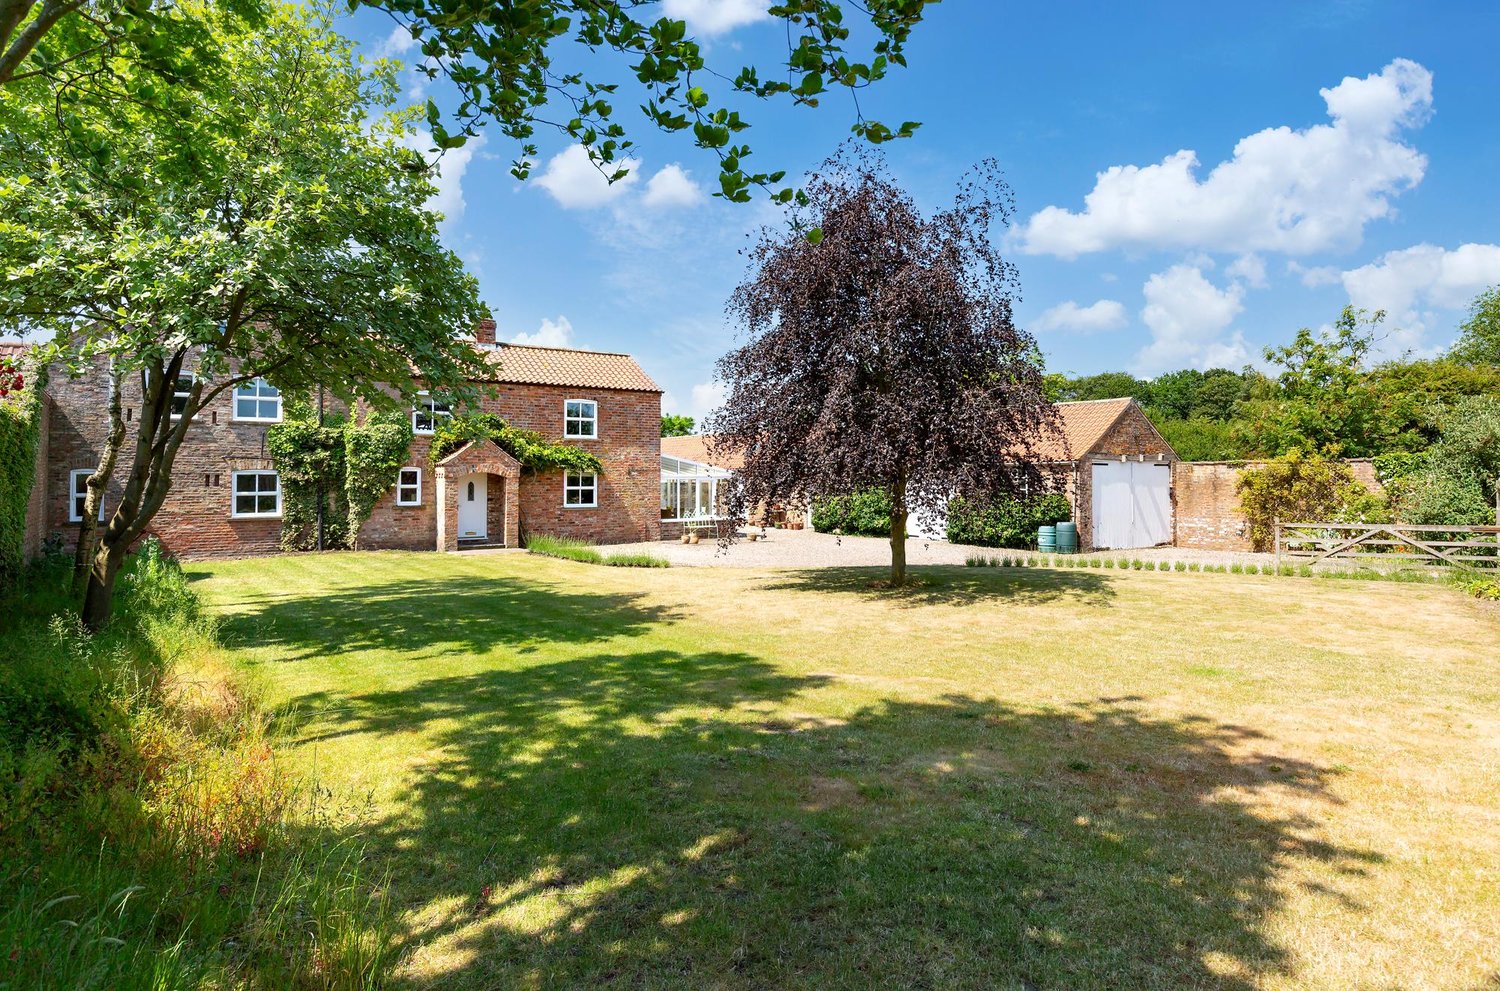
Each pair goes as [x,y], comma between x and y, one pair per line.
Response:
[1277,528]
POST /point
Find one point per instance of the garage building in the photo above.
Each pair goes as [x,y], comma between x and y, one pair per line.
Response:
[1116,469]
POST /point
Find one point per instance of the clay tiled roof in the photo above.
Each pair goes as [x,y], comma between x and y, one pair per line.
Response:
[14,349]
[527,365]
[695,448]
[1083,424]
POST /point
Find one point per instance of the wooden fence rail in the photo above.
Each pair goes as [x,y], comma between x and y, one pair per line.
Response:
[1313,543]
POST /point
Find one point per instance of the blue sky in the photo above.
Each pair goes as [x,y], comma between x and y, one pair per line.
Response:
[1193,181]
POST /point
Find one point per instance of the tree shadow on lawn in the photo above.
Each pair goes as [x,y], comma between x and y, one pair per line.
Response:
[666,819]
[954,585]
[425,618]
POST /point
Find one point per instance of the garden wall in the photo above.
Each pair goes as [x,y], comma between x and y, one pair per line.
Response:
[1207,504]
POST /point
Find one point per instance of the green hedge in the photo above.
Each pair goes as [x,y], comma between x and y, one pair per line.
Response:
[19,433]
[1005,522]
[864,514]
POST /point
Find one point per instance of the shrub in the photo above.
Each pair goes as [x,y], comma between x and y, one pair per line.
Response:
[1304,488]
[1004,522]
[1476,583]
[864,514]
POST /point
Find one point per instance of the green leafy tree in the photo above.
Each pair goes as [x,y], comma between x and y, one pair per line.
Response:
[1174,394]
[1322,399]
[1457,484]
[275,226]
[676,425]
[1479,336]
[1219,394]
[502,60]
[1106,385]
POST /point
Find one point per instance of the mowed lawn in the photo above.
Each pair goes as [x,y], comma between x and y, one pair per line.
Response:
[581,776]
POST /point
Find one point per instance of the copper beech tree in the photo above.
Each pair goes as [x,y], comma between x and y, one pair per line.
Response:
[881,353]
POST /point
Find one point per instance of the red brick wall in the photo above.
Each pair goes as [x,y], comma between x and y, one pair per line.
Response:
[1133,437]
[629,444]
[195,519]
[1207,502]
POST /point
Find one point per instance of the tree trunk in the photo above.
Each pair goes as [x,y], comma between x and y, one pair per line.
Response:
[898,537]
[99,597]
[88,527]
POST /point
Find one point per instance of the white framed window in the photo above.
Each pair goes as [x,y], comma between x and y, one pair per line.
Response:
[182,391]
[257,402]
[581,419]
[409,487]
[426,413]
[78,487]
[255,493]
[580,491]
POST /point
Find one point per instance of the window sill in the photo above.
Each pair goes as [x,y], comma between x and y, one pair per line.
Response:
[247,419]
[408,505]
[236,517]
[592,505]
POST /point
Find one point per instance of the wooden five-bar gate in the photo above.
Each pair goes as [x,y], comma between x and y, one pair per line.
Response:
[1313,543]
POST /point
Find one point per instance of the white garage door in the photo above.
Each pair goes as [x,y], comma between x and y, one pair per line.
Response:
[1132,504]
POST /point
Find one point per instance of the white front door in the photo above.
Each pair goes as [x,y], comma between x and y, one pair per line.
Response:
[1132,504]
[473,506]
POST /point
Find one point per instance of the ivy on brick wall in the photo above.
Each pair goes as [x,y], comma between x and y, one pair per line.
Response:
[19,429]
[374,452]
[342,466]
[310,461]
[534,452]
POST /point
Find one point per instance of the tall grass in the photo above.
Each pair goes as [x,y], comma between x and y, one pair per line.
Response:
[148,837]
[571,549]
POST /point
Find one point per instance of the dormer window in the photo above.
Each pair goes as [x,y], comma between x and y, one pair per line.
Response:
[581,419]
[426,414]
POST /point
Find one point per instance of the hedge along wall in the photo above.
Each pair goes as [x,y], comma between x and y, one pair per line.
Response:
[21,463]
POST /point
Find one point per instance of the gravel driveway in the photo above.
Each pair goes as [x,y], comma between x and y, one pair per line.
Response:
[809,549]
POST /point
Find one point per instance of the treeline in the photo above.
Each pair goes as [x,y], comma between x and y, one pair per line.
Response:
[1322,394]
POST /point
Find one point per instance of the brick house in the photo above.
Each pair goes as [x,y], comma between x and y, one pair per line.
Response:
[225,499]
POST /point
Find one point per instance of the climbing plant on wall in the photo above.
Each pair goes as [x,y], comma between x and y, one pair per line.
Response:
[310,460]
[342,465]
[534,452]
[374,452]
[18,439]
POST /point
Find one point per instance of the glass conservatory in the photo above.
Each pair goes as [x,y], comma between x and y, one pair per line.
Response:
[692,491]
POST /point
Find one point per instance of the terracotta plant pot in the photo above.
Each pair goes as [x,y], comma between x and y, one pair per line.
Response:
[694,539]
[687,538]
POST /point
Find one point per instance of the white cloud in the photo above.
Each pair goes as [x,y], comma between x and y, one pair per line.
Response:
[551,334]
[1187,316]
[1414,283]
[448,173]
[710,17]
[706,397]
[1106,314]
[1292,191]
[1312,278]
[1249,269]
[672,187]
[575,182]
[397,43]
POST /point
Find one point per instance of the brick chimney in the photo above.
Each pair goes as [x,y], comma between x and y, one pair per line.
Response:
[484,333]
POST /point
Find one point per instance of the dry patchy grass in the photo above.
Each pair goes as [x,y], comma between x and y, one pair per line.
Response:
[1039,779]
